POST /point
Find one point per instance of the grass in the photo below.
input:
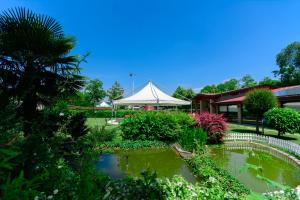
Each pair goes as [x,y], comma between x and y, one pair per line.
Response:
[91,122]
[239,128]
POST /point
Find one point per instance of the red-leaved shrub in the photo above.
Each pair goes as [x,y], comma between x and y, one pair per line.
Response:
[215,125]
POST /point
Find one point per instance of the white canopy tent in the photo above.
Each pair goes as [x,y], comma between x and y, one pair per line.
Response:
[103,105]
[151,95]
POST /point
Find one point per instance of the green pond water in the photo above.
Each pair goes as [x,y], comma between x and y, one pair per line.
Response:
[248,164]
[123,163]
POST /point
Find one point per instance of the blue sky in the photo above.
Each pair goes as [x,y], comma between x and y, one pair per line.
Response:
[190,43]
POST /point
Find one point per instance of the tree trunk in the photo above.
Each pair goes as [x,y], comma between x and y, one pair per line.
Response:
[257,125]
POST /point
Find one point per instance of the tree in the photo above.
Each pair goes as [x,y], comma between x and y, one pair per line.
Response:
[209,89]
[35,65]
[248,81]
[182,93]
[283,120]
[115,92]
[288,61]
[259,101]
[231,84]
[269,81]
[95,91]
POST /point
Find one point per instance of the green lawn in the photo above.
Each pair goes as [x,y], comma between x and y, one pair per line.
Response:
[238,128]
[91,122]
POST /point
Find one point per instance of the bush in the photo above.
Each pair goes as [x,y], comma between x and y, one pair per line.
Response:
[76,125]
[212,176]
[103,113]
[213,124]
[101,134]
[259,101]
[283,120]
[129,144]
[192,138]
[162,126]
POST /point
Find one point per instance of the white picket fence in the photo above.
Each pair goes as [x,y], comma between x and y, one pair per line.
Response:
[289,146]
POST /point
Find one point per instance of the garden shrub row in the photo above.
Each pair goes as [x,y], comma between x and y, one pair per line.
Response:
[130,144]
[213,176]
[150,187]
[103,113]
[154,125]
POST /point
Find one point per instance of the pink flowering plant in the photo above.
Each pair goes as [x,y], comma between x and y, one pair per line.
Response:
[215,125]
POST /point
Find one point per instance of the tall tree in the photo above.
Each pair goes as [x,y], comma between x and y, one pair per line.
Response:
[95,91]
[288,61]
[35,65]
[248,81]
[268,81]
[115,92]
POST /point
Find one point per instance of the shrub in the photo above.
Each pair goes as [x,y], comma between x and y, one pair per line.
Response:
[192,138]
[101,134]
[163,126]
[103,113]
[76,125]
[129,144]
[259,101]
[213,124]
[283,120]
[215,177]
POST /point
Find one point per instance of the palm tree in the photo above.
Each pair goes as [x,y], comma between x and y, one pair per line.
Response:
[35,65]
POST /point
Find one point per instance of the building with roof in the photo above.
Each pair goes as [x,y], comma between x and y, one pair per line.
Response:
[231,103]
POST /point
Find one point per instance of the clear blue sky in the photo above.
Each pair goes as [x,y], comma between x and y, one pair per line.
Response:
[175,42]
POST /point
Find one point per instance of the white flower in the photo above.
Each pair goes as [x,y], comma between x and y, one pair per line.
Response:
[50,197]
[212,179]
[36,198]
[55,191]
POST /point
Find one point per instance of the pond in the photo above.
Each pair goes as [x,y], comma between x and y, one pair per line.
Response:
[259,168]
[164,161]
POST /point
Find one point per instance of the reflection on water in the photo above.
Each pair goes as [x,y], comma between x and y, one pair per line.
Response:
[132,162]
[269,164]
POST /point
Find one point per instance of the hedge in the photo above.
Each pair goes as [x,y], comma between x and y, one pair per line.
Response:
[104,113]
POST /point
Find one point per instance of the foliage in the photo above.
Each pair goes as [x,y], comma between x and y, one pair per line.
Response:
[79,99]
[182,93]
[259,101]
[94,91]
[287,194]
[100,134]
[115,92]
[231,84]
[103,113]
[192,138]
[130,144]
[76,125]
[213,176]
[18,188]
[247,81]
[288,61]
[146,188]
[284,120]
[214,125]
[268,81]
[35,67]
[163,126]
